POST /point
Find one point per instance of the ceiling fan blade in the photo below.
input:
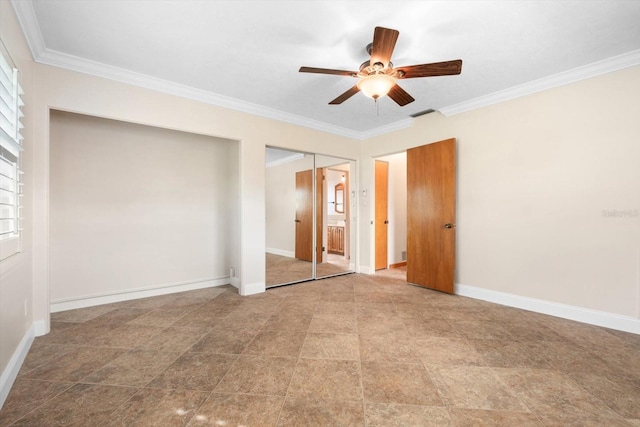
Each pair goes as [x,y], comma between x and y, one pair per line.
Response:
[401,96]
[384,40]
[327,71]
[446,68]
[348,94]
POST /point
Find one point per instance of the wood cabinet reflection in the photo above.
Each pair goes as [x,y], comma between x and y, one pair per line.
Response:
[335,240]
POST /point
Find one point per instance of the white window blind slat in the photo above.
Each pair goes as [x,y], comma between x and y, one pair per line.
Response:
[10,148]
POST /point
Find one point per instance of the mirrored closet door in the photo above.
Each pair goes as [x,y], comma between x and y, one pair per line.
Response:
[308,217]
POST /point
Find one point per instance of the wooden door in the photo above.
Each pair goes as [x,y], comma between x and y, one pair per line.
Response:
[319,215]
[431,216]
[304,215]
[381,213]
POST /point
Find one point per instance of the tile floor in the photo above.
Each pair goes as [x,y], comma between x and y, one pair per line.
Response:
[282,269]
[351,350]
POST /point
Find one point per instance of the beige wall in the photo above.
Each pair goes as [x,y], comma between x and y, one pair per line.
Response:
[280,201]
[134,207]
[74,92]
[16,292]
[534,176]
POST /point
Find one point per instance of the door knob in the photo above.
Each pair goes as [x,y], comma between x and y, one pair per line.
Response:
[386,221]
[449,225]
[296,220]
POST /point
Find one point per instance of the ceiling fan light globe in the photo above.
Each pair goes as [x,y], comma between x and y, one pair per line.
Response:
[376,85]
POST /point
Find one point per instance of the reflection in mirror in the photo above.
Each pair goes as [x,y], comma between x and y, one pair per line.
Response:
[339,202]
[336,231]
[289,216]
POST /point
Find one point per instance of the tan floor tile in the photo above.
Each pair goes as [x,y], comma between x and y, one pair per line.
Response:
[316,412]
[159,317]
[509,354]
[407,307]
[220,340]
[135,368]
[333,308]
[436,351]
[152,407]
[326,379]
[82,405]
[289,321]
[277,343]
[474,387]
[388,348]
[331,346]
[479,417]
[297,305]
[335,296]
[402,383]
[82,314]
[119,315]
[483,330]
[43,354]
[375,297]
[556,399]
[618,390]
[258,375]
[202,317]
[174,339]
[238,410]
[26,395]
[396,415]
[74,336]
[427,328]
[76,364]
[194,371]
[467,313]
[374,326]
[385,310]
[240,318]
[125,336]
[333,324]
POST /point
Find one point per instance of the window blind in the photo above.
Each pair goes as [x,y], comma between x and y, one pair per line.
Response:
[10,148]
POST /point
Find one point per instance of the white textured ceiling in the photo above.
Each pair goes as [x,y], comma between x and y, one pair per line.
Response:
[246,54]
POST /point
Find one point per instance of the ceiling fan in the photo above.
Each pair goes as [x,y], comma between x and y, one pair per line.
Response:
[378,76]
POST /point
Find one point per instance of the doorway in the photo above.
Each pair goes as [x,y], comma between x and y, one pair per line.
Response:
[421,215]
[390,200]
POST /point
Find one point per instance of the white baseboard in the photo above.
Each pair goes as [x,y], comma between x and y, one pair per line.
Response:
[252,289]
[579,314]
[39,328]
[235,282]
[11,371]
[280,252]
[365,269]
[126,295]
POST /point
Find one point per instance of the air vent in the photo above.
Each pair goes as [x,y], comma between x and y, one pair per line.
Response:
[422,113]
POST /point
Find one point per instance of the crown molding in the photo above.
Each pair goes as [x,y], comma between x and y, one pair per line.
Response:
[30,27]
[29,23]
[41,54]
[614,63]
[391,127]
[97,69]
